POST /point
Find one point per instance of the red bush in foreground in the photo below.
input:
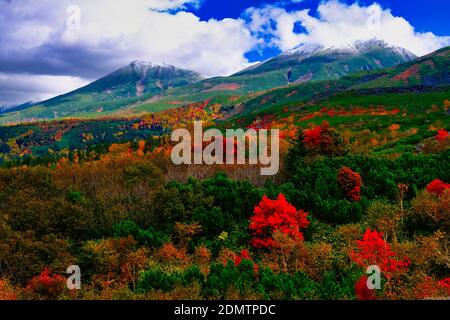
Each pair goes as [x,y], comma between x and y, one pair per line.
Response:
[445,284]
[362,292]
[374,250]
[279,215]
[320,137]
[437,187]
[351,183]
[47,284]
[313,137]
[430,288]
[442,135]
[245,255]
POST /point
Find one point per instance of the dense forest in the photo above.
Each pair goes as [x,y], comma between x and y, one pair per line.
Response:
[358,187]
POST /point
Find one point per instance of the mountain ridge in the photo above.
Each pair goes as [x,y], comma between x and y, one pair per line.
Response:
[94,100]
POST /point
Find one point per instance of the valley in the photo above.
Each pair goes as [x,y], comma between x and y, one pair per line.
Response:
[87,179]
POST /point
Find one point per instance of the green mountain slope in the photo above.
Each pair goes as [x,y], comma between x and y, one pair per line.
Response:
[305,64]
[143,87]
[353,102]
[313,62]
[422,75]
[137,81]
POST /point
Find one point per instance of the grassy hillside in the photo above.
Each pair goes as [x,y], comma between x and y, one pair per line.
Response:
[364,175]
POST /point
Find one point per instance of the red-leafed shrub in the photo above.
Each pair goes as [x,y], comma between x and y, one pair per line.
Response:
[445,284]
[437,187]
[323,140]
[47,285]
[351,183]
[279,215]
[430,288]
[426,288]
[442,135]
[362,292]
[313,137]
[374,250]
[319,136]
[245,255]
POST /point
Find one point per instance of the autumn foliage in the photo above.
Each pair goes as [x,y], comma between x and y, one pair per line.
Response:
[323,140]
[47,285]
[430,288]
[6,293]
[245,255]
[315,136]
[437,187]
[279,215]
[351,183]
[374,250]
[442,135]
[362,292]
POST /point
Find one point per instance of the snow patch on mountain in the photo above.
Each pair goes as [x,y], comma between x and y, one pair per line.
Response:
[357,47]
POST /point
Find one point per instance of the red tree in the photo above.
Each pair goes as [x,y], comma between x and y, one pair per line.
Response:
[47,284]
[430,288]
[351,183]
[445,284]
[437,187]
[374,250]
[323,140]
[245,255]
[271,216]
[362,292]
[442,135]
[313,137]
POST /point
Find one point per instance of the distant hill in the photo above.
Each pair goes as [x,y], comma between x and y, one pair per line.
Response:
[307,63]
[137,81]
[16,107]
[425,74]
[311,62]
[146,87]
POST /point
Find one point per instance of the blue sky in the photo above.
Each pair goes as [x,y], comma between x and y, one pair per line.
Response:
[56,46]
[425,16]
[430,15]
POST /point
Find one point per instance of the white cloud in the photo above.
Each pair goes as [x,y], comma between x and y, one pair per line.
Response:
[36,39]
[340,24]
[125,31]
[213,47]
[18,88]
[277,23]
[171,4]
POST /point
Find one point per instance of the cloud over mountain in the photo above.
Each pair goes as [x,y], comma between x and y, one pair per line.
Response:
[339,24]
[77,41]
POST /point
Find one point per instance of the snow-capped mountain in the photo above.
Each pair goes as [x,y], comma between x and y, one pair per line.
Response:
[135,80]
[311,61]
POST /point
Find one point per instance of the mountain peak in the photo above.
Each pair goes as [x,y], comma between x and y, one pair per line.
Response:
[362,45]
[356,47]
[305,49]
[141,63]
[312,61]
